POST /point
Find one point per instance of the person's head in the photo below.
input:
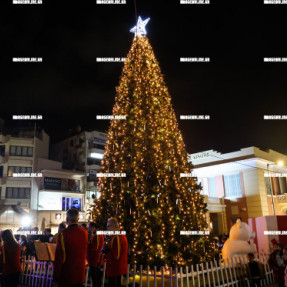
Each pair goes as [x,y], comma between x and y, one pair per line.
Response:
[23,238]
[250,257]
[8,237]
[72,216]
[92,227]
[48,231]
[112,224]
[62,226]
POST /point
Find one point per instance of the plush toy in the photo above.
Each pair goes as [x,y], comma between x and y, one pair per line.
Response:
[237,244]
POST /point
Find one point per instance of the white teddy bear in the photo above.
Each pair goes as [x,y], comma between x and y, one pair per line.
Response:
[237,244]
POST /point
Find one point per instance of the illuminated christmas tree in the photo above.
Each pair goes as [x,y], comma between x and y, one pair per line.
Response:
[153,203]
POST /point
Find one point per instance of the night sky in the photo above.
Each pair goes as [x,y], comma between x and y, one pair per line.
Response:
[70,88]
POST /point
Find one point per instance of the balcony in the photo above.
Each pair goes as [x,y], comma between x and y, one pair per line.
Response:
[93,167]
[2,159]
[18,181]
[2,180]
[42,188]
[2,139]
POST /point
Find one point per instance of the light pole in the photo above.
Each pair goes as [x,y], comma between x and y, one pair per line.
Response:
[280,163]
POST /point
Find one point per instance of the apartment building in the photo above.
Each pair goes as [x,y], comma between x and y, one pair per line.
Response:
[83,152]
[19,151]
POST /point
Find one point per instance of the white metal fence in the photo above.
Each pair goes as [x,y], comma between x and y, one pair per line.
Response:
[211,274]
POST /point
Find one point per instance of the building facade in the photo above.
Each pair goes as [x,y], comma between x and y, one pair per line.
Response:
[83,152]
[246,184]
[19,151]
[58,190]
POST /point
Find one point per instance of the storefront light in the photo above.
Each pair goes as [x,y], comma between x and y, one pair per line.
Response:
[26,221]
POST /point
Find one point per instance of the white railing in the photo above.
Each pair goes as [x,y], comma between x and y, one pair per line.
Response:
[211,274]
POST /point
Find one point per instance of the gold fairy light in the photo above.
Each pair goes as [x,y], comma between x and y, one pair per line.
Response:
[148,147]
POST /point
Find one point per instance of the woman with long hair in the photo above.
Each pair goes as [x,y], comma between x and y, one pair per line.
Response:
[10,259]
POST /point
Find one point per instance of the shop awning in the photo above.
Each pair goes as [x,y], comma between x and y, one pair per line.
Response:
[19,210]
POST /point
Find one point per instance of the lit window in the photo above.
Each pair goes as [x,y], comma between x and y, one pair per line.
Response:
[212,187]
[232,185]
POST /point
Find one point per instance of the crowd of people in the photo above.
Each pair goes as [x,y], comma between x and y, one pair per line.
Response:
[278,262]
[76,246]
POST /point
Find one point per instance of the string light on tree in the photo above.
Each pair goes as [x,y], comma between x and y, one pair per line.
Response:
[153,203]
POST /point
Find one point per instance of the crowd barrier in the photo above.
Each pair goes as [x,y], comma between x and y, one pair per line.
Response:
[211,274]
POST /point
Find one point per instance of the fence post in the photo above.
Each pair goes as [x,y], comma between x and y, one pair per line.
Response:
[207,272]
[147,283]
[226,274]
[198,276]
[141,274]
[87,276]
[230,271]
[221,272]
[212,274]
[134,275]
[44,273]
[187,278]
[162,276]
[170,276]
[181,278]
[51,277]
[175,277]
[203,271]
[192,276]
[128,276]
[217,273]
[154,269]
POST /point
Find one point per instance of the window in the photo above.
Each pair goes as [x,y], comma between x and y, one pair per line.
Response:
[1,170]
[2,150]
[282,182]
[275,185]
[18,192]
[12,150]
[92,161]
[268,185]
[9,192]
[18,169]
[18,150]
[232,185]
[68,202]
[30,151]
[21,151]
[212,187]
[25,151]
[204,183]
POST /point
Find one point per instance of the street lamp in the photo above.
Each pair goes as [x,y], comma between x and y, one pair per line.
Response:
[279,163]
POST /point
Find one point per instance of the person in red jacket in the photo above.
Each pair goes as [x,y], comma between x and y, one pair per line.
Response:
[71,250]
[10,259]
[117,255]
[95,245]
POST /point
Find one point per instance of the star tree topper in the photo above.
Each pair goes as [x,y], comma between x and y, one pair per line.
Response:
[139,29]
